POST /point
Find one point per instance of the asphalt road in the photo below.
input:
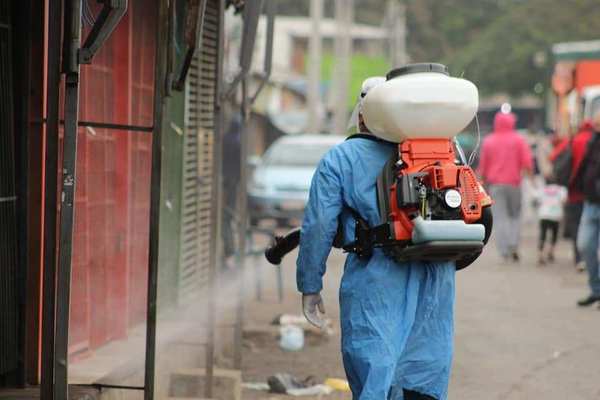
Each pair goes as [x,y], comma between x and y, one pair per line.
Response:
[519,334]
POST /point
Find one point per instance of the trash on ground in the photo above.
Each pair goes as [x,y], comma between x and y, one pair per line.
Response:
[287,384]
[282,382]
[338,384]
[314,390]
[285,319]
[291,337]
[256,386]
[300,320]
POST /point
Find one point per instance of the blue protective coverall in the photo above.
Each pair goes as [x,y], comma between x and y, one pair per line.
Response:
[396,319]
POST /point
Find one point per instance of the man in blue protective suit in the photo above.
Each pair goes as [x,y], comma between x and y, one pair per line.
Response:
[396,318]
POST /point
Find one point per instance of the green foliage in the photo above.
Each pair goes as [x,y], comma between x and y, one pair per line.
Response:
[361,67]
[493,42]
[440,28]
[501,58]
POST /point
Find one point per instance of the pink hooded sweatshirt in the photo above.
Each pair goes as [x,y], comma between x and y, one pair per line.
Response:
[505,154]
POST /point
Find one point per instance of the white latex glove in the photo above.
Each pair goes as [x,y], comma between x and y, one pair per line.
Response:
[310,304]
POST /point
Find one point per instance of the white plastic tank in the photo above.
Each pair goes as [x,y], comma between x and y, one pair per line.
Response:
[420,101]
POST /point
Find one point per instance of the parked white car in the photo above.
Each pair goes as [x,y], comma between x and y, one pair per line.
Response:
[281,181]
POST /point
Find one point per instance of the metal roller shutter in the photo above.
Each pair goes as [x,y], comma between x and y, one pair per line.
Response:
[196,229]
[8,221]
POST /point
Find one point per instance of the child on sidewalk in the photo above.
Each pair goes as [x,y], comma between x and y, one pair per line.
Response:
[550,201]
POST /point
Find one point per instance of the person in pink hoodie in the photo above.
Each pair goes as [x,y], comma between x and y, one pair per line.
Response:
[505,158]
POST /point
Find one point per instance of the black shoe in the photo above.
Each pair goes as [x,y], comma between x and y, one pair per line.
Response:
[588,301]
[515,257]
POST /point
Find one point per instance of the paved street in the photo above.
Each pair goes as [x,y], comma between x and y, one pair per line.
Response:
[518,332]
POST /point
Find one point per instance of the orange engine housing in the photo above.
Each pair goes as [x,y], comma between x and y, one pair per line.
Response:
[435,160]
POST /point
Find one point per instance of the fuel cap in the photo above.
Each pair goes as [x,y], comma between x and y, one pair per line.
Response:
[452,198]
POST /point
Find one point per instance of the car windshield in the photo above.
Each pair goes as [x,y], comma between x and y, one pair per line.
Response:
[296,154]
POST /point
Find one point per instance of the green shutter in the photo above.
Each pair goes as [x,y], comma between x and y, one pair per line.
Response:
[196,227]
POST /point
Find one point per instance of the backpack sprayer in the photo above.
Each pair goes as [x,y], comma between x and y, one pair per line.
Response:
[432,206]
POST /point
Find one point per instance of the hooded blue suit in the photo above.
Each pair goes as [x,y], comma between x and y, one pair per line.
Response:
[396,319]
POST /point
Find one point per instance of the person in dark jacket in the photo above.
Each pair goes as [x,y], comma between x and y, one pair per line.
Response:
[574,206]
[588,236]
[231,178]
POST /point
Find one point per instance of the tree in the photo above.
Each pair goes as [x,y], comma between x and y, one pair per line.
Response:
[438,29]
[501,59]
[492,42]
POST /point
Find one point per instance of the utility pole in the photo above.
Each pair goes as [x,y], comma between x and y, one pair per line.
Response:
[396,28]
[315,104]
[344,16]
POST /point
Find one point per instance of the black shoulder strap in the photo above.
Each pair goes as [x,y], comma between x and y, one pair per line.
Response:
[338,240]
[384,182]
[356,215]
[370,137]
[577,180]
[366,237]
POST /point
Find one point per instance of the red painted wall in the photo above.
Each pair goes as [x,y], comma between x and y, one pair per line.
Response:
[110,243]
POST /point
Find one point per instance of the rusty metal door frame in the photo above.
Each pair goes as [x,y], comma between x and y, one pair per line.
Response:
[54,10]
[160,87]
[57,273]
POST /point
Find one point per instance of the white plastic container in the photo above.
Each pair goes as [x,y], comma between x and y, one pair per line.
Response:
[420,105]
[291,337]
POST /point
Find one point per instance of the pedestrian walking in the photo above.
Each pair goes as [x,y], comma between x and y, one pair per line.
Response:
[231,166]
[550,201]
[397,319]
[588,182]
[573,151]
[505,157]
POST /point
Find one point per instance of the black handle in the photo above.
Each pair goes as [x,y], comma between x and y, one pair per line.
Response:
[282,245]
